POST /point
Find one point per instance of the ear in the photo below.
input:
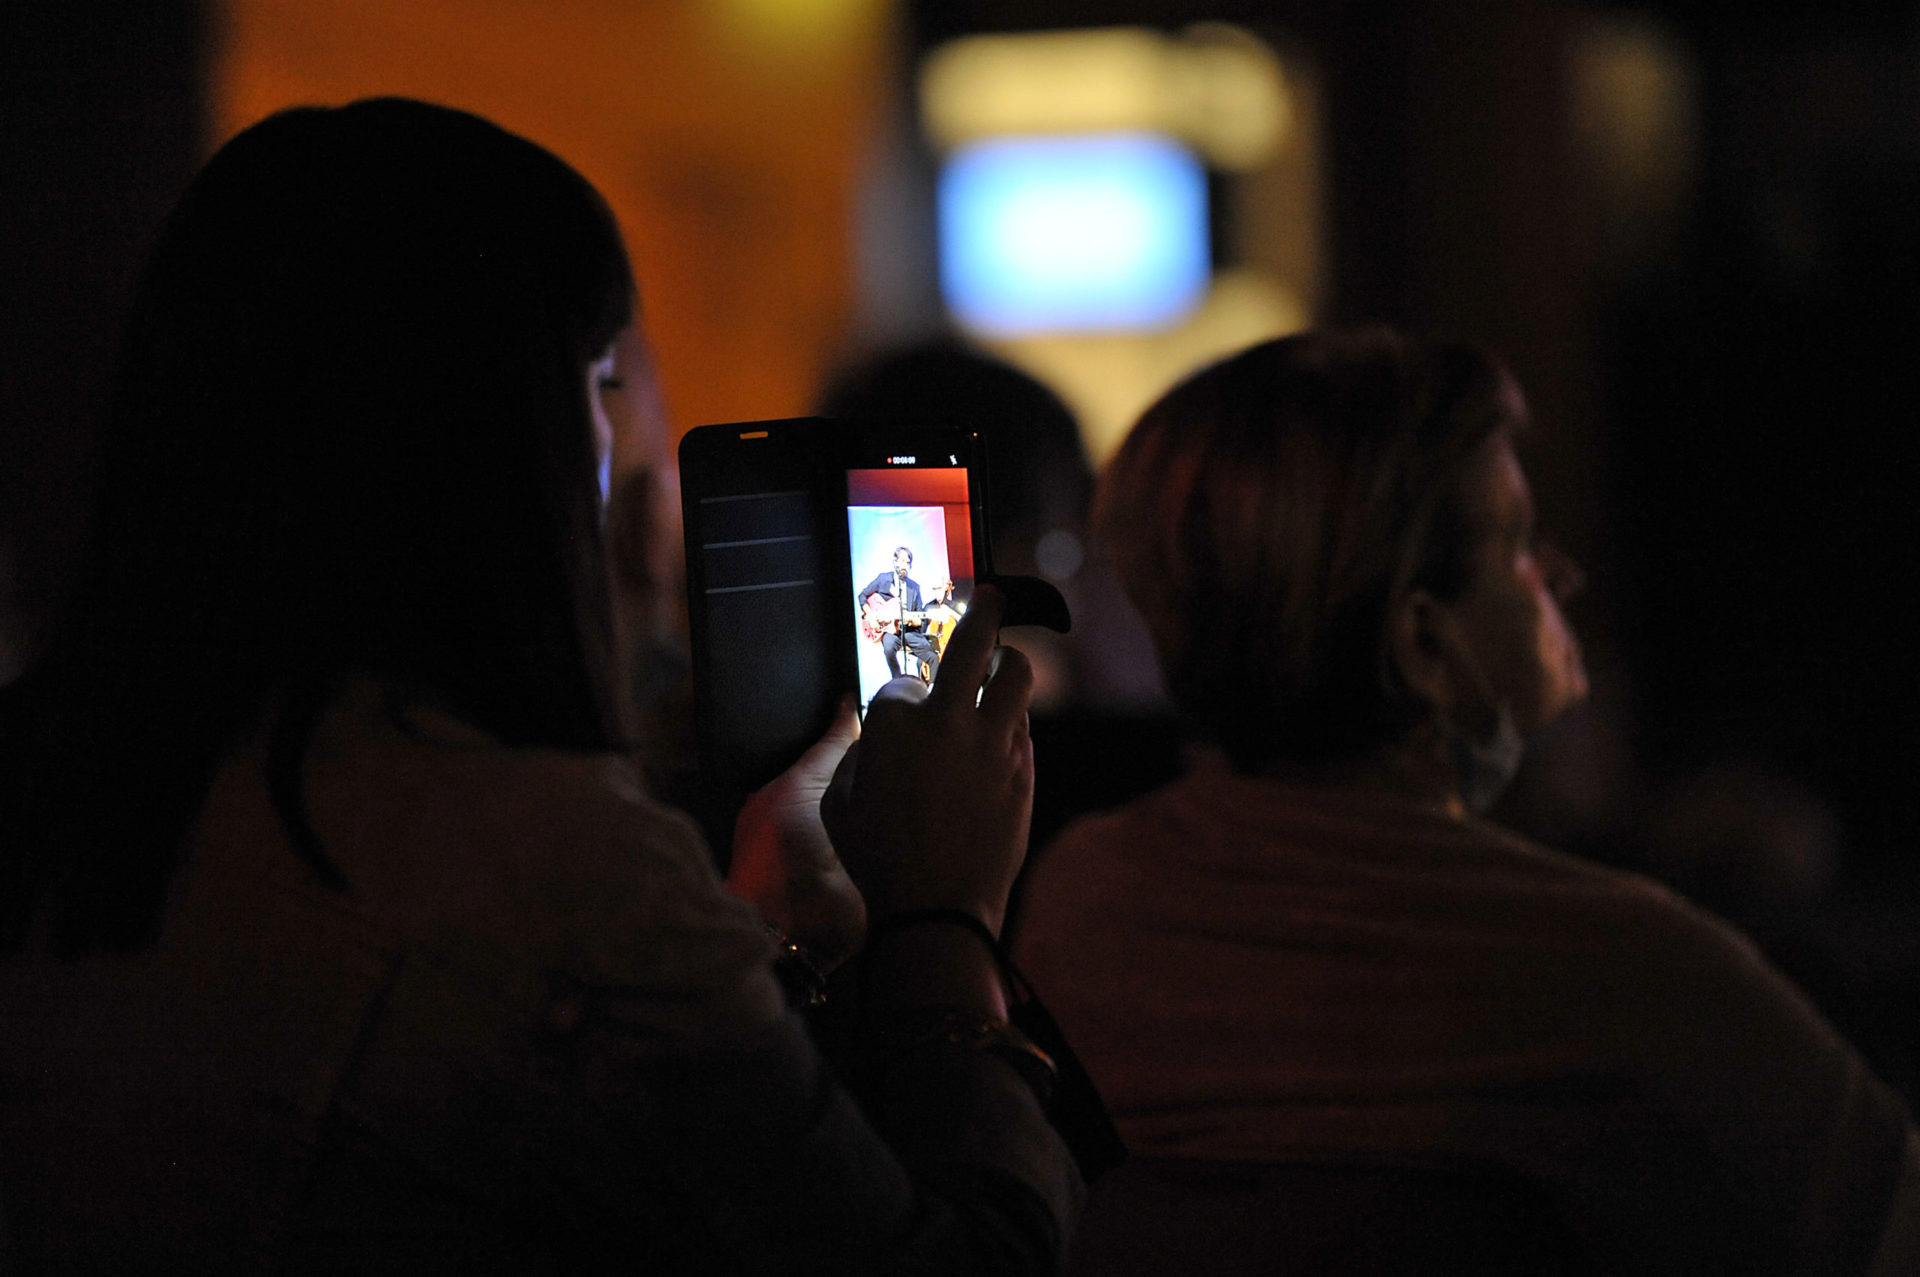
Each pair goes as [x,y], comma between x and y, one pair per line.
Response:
[1417,646]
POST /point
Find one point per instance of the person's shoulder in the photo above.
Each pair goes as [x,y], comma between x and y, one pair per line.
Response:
[1115,829]
[1627,894]
[1642,921]
[1103,861]
[1497,844]
[506,859]
[1665,961]
[580,801]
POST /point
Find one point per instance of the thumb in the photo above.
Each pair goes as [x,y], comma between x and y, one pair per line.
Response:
[815,768]
[836,802]
[842,732]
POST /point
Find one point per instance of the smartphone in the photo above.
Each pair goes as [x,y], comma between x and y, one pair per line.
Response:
[823,559]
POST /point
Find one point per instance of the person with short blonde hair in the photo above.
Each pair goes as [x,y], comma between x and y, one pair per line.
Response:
[1345,1023]
[1265,516]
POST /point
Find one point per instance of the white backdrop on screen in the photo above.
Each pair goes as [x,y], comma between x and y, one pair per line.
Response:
[873,531]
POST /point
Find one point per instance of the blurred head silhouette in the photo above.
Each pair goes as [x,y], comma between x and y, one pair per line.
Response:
[1038,478]
[350,435]
[1037,469]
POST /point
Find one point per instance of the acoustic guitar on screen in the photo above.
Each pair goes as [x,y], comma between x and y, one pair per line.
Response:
[881,616]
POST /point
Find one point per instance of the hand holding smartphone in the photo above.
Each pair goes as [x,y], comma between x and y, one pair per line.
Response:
[936,811]
[826,558]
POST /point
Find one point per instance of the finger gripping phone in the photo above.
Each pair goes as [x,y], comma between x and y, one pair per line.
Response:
[823,558]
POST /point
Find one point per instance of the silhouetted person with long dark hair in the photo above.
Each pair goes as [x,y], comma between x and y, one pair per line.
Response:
[1345,1023]
[339,935]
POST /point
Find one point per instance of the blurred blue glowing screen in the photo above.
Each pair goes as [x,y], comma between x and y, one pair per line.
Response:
[1066,233]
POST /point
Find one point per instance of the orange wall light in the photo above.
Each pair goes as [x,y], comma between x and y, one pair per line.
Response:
[728,138]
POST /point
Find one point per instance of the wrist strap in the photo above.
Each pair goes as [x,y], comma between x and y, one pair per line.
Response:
[1055,1071]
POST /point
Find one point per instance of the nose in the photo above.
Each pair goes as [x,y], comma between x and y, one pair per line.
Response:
[1564,578]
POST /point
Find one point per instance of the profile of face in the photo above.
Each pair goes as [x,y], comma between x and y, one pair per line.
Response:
[637,486]
[629,425]
[1513,649]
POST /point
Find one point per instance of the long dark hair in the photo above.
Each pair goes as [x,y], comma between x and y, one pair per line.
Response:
[349,434]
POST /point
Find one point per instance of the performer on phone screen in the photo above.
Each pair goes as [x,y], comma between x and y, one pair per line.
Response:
[888,607]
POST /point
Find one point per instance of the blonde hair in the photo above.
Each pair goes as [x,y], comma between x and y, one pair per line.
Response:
[1265,514]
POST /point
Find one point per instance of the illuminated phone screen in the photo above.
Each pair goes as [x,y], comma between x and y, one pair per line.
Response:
[782,624]
[910,547]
